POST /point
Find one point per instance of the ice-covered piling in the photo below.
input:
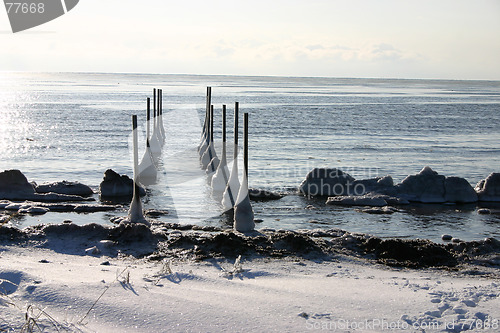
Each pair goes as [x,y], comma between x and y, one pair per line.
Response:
[209,154]
[243,212]
[204,135]
[154,143]
[147,168]
[233,184]
[135,214]
[214,162]
[221,176]
[161,128]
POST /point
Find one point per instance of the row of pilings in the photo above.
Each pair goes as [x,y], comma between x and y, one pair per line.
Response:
[225,185]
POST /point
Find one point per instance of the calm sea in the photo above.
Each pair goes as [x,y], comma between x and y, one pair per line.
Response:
[74,126]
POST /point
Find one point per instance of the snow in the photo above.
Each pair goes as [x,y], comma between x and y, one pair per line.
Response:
[249,294]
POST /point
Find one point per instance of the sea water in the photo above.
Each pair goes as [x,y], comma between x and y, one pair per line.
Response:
[74,126]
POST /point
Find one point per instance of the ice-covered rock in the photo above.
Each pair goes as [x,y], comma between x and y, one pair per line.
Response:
[14,182]
[263,195]
[489,189]
[33,210]
[115,185]
[426,186]
[335,182]
[65,187]
[326,182]
[379,185]
[15,186]
[458,190]
[352,200]
[429,187]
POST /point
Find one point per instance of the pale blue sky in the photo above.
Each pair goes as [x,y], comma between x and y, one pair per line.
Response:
[450,39]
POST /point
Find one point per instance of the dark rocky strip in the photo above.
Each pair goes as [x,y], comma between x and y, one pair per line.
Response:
[199,243]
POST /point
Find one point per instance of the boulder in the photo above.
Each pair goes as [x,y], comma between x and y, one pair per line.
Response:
[326,182]
[379,185]
[115,185]
[14,182]
[458,190]
[15,186]
[429,187]
[426,186]
[489,189]
[65,187]
[263,195]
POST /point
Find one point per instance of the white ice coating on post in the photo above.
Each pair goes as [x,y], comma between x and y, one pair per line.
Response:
[205,135]
[135,214]
[232,187]
[155,143]
[212,168]
[243,212]
[148,166]
[161,128]
[221,176]
[207,156]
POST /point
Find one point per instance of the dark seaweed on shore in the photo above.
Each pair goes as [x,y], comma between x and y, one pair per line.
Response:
[166,241]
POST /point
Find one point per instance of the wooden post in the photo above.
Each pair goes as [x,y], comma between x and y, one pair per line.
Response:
[236,111]
[148,114]
[161,101]
[136,154]
[224,123]
[154,103]
[207,108]
[211,123]
[245,145]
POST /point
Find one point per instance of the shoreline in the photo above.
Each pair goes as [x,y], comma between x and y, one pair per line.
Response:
[198,243]
[131,279]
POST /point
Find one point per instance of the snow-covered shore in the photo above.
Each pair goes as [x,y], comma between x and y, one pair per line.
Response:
[99,279]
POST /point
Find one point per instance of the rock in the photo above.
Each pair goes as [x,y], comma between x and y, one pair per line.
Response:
[326,182]
[65,187]
[459,190]
[352,200]
[4,219]
[446,237]
[426,186]
[383,210]
[429,187]
[379,185]
[94,250]
[33,210]
[489,189]
[263,195]
[15,186]
[155,212]
[17,206]
[114,185]
[13,181]
[93,208]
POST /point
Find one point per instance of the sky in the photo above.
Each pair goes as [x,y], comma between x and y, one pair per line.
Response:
[437,39]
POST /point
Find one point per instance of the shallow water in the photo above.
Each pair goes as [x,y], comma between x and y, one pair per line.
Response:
[75,126]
